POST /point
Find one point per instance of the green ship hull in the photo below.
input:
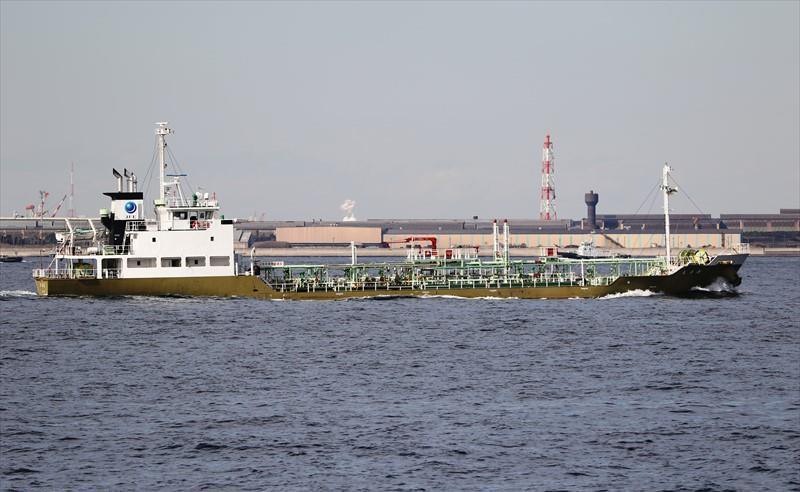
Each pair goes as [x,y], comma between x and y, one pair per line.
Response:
[682,282]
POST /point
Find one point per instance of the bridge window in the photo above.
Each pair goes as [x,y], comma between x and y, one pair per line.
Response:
[141,262]
[195,261]
[219,260]
[170,262]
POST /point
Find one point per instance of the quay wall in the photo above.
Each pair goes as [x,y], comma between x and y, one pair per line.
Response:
[36,251]
[605,240]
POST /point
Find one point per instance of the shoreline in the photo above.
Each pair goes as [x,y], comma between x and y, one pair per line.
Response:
[324,252]
[514,252]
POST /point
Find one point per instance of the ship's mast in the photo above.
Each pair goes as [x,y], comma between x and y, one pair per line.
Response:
[668,190]
[505,241]
[162,131]
[495,246]
[71,189]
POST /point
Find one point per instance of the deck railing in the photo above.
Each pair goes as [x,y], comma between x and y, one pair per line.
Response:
[111,249]
[69,274]
[185,203]
[439,276]
[104,250]
[345,285]
[742,248]
[75,273]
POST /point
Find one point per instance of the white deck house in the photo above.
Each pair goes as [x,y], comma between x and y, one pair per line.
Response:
[187,238]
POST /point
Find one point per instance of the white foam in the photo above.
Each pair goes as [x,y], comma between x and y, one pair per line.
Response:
[719,285]
[16,293]
[441,296]
[631,293]
[449,296]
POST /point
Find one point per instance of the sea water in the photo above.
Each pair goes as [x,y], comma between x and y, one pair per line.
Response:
[632,392]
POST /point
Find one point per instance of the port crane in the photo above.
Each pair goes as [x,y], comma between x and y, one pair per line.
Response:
[38,211]
[58,207]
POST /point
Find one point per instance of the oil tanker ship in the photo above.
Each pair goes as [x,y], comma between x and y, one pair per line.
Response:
[187,250]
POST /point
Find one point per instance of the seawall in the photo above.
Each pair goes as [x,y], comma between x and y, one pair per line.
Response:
[30,251]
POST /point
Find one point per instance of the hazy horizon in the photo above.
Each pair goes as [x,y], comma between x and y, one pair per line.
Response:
[413,110]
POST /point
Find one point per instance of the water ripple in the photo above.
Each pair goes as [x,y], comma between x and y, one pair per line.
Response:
[425,393]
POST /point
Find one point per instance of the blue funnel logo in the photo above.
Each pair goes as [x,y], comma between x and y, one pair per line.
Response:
[130,207]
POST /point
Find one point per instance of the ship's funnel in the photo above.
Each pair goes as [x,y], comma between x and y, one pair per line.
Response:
[127,179]
[119,178]
[134,182]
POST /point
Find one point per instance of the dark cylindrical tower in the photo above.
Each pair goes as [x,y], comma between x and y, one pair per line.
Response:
[591,200]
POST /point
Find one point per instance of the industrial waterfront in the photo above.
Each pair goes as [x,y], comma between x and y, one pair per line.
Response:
[617,234]
[638,235]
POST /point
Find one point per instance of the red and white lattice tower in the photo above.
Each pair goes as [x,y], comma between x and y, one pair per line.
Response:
[547,208]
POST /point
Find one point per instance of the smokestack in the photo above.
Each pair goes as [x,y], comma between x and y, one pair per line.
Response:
[505,239]
[127,179]
[494,239]
[591,200]
[119,178]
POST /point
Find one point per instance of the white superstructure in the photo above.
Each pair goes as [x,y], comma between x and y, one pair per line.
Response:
[187,238]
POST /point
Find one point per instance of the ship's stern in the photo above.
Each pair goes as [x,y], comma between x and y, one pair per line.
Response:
[42,285]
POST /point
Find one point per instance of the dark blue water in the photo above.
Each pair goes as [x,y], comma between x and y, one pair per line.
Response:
[628,393]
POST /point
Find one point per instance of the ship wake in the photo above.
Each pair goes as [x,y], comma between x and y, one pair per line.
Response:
[17,293]
[719,288]
[482,298]
[632,293]
[426,296]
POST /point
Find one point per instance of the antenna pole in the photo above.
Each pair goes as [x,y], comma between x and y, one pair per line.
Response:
[162,131]
[71,189]
[668,190]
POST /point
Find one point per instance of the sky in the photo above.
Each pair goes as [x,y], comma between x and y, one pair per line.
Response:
[412,109]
